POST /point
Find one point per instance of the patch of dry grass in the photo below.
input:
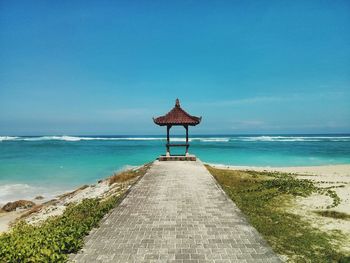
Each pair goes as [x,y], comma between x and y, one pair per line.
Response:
[32,210]
[128,175]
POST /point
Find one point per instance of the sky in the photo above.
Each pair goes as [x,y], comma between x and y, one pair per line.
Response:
[108,67]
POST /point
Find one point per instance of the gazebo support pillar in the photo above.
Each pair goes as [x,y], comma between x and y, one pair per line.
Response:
[187,145]
[168,140]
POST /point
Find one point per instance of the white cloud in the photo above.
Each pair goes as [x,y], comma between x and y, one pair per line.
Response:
[271,99]
[245,101]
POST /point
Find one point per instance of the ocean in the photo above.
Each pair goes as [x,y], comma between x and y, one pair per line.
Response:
[49,165]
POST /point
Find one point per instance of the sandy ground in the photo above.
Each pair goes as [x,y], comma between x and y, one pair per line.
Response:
[6,218]
[334,177]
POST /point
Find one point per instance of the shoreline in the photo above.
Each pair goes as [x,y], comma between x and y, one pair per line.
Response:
[29,191]
[49,194]
[115,184]
[335,173]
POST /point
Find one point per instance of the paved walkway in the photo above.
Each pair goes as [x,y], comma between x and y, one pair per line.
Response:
[176,213]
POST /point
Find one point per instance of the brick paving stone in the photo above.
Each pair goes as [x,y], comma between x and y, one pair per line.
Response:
[175,213]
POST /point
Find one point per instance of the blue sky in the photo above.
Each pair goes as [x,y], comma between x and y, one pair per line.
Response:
[107,67]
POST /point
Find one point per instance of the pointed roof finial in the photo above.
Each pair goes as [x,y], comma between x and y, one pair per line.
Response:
[177,103]
[177,116]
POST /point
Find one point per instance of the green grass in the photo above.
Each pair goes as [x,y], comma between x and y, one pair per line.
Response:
[53,240]
[263,197]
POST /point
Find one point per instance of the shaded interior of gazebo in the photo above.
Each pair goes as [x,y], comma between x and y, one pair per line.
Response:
[177,117]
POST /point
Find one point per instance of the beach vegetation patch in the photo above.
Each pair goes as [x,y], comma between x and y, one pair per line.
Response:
[264,198]
[57,237]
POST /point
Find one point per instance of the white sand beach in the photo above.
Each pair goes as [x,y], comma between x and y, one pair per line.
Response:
[6,218]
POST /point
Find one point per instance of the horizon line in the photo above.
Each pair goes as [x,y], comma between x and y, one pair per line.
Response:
[207,134]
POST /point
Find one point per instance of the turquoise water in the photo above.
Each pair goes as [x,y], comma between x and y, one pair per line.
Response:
[52,164]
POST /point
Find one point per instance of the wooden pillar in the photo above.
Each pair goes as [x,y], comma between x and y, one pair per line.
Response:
[168,140]
[186,127]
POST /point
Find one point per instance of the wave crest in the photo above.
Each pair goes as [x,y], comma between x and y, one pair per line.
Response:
[260,138]
[8,138]
[291,138]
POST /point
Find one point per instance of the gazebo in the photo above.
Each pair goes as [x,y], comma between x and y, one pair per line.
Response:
[177,117]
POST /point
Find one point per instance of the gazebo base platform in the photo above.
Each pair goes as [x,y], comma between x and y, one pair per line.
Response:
[177,158]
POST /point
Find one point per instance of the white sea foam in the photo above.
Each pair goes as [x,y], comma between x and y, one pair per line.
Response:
[205,139]
[14,191]
[214,139]
[291,138]
[180,139]
[8,138]
[141,139]
[270,138]
[77,138]
[51,138]
[262,138]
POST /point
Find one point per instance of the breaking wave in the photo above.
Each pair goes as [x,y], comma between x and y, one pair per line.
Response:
[291,138]
[214,139]
[8,138]
[77,138]
[262,138]
[16,191]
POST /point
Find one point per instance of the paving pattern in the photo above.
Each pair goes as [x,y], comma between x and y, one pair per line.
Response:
[176,213]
